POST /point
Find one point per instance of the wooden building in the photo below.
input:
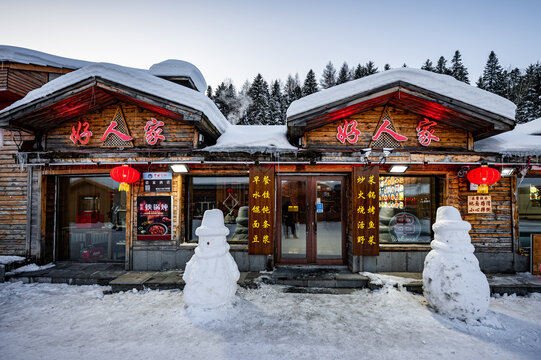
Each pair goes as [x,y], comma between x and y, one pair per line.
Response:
[327,189]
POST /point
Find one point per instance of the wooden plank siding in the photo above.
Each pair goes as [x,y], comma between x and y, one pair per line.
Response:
[21,82]
[490,232]
[13,197]
[404,122]
[177,134]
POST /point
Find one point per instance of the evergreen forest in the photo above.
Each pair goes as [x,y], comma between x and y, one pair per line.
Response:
[261,103]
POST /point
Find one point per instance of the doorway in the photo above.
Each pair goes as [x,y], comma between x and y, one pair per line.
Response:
[311,219]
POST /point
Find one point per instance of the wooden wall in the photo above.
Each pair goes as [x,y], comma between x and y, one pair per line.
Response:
[23,81]
[177,134]
[13,197]
[404,123]
[490,232]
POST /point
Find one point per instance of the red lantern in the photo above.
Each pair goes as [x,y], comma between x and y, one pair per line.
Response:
[484,176]
[124,175]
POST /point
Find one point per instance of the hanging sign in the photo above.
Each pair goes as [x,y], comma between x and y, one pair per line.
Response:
[366,211]
[261,218]
[158,182]
[536,254]
[154,218]
[479,204]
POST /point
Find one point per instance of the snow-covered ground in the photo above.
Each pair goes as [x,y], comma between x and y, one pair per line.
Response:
[56,321]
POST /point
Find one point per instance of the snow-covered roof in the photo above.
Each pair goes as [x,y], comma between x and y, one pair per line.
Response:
[253,138]
[180,68]
[137,79]
[441,84]
[33,57]
[523,140]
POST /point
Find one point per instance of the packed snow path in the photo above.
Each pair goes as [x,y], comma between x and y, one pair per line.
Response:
[56,321]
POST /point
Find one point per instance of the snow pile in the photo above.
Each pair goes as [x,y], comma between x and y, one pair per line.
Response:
[452,281]
[30,267]
[137,79]
[58,321]
[8,259]
[211,275]
[33,57]
[387,280]
[253,138]
[442,84]
[523,140]
[180,68]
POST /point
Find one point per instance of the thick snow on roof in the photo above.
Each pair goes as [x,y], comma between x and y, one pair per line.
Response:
[33,57]
[180,68]
[137,79]
[523,140]
[253,138]
[442,84]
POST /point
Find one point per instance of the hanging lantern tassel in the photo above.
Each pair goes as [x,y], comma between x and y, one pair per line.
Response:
[483,176]
[125,175]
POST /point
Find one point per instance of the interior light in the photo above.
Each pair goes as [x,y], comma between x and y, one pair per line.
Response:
[508,171]
[179,168]
[398,169]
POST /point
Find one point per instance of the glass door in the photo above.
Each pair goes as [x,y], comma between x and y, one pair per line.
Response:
[311,220]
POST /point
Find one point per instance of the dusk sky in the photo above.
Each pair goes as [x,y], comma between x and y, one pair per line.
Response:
[238,39]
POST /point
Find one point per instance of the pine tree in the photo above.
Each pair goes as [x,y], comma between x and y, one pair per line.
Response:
[428,66]
[515,85]
[209,92]
[258,113]
[238,115]
[276,105]
[458,70]
[292,91]
[225,98]
[343,74]
[328,79]
[370,68]
[310,84]
[529,108]
[386,67]
[493,77]
[404,65]
[441,66]
[359,72]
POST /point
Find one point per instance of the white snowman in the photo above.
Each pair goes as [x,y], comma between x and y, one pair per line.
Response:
[452,281]
[211,275]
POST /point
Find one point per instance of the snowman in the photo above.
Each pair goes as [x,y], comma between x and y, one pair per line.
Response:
[211,275]
[452,281]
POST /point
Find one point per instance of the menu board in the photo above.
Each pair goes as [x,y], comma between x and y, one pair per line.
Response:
[154,218]
[365,211]
[391,192]
[261,218]
[479,204]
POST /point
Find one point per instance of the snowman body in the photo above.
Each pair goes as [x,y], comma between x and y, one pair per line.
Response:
[452,280]
[211,275]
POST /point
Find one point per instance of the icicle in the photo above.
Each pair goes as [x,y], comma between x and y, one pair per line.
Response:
[21,160]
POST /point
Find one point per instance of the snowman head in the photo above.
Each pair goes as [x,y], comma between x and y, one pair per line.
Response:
[212,234]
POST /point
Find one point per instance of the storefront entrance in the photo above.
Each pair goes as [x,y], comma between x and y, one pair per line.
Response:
[311,219]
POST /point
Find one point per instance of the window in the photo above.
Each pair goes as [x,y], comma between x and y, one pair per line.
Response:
[91,215]
[229,194]
[407,208]
[529,209]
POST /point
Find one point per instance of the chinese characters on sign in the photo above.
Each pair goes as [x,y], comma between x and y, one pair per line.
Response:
[385,128]
[158,182]
[348,132]
[479,204]
[425,134]
[153,131]
[366,211]
[78,135]
[261,218]
[117,133]
[154,218]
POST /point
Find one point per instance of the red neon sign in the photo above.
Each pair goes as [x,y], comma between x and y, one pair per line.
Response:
[348,132]
[77,135]
[424,132]
[153,131]
[111,130]
[385,128]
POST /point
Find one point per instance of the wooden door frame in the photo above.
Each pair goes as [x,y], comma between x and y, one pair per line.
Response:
[311,236]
